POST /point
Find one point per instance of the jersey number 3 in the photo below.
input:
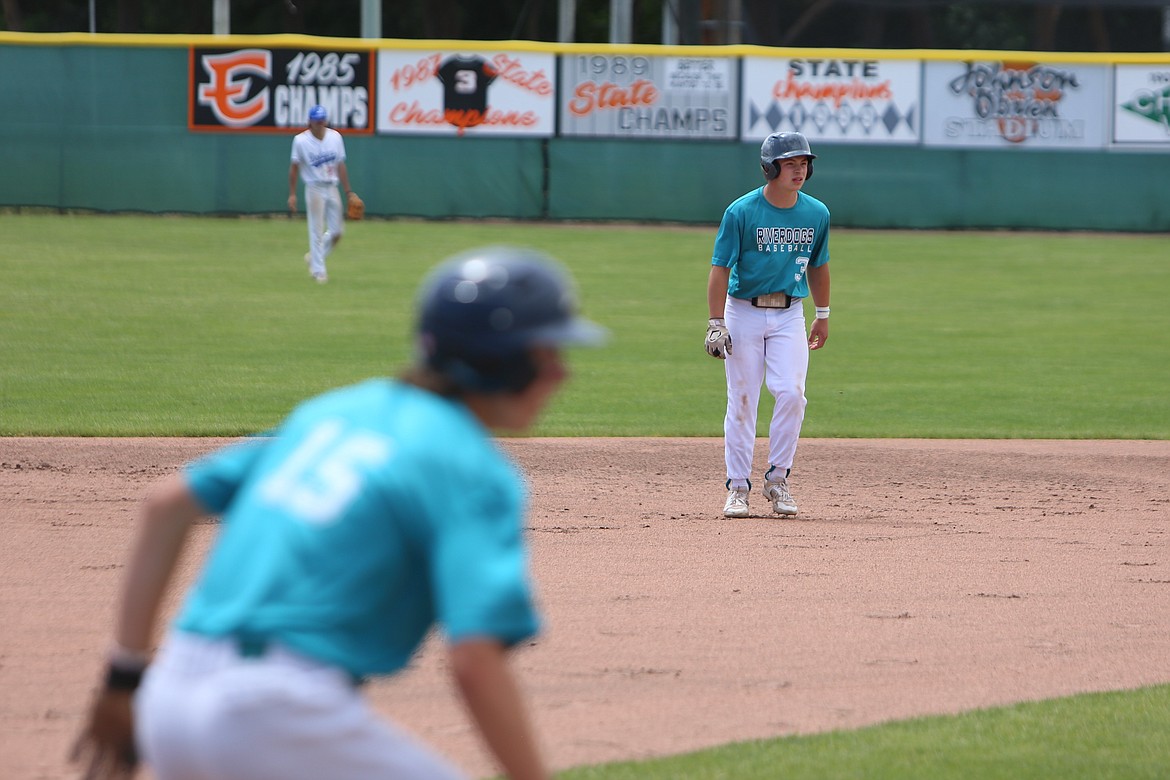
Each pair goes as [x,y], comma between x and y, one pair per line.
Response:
[323,475]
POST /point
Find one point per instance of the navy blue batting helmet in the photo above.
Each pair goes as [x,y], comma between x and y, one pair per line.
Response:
[781,146]
[483,310]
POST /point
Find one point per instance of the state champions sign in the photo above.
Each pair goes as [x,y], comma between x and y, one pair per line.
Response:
[633,96]
[271,90]
[455,93]
[841,99]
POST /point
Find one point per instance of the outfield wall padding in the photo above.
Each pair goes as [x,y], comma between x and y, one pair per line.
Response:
[105,128]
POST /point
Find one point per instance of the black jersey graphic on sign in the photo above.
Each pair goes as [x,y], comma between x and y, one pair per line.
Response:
[465,82]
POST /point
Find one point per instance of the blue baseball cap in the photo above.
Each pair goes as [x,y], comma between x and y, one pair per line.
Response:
[318,114]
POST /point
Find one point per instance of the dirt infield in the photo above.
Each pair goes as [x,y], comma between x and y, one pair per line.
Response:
[923,576]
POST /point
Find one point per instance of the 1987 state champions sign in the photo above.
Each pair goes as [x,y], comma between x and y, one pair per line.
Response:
[473,93]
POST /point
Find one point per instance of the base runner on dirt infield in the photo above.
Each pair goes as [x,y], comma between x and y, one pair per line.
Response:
[771,251]
[370,514]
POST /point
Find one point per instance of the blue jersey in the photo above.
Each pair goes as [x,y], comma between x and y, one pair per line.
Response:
[769,249]
[373,512]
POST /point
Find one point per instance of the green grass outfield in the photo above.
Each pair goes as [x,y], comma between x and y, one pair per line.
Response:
[158,326]
[136,325]
[1100,736]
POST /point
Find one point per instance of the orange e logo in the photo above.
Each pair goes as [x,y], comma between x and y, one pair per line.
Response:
[226,93]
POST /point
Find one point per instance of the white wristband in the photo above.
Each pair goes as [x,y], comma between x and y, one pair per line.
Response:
[822,312]
[716,321]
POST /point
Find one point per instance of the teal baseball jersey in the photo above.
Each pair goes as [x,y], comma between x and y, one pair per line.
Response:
[769,249]
[371,514]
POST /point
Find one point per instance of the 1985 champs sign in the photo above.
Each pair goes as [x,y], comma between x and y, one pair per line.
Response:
[636,96]
[273,89]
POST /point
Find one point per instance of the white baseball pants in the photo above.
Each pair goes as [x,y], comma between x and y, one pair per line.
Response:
[769,346]
[323,212]
[204,712]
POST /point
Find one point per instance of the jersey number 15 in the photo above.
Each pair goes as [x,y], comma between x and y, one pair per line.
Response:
[324,474]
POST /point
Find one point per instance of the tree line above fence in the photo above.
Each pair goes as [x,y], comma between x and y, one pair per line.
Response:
[1018,25]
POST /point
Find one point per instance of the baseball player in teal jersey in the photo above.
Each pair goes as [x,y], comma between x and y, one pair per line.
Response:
[771,252]
[371,514]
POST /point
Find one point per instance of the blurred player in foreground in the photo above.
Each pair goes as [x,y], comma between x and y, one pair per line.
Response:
[771,251]
[371,514]
[318,155]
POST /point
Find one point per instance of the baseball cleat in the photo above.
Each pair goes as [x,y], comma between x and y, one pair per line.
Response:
[777,493]
[737,503]
[321,278]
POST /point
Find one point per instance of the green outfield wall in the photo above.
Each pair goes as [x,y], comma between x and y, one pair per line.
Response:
[106,127]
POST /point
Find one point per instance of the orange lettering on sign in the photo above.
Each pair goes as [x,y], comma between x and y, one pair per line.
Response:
[837,93]
[226,94]
[591,96]
[409,75]
[513,71]
[461,119]
[414,114]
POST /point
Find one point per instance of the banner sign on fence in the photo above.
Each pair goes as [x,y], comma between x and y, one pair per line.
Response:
[473,93]
[849,101]
[271,90]
[1004,104]
[628,96]
[1141,110]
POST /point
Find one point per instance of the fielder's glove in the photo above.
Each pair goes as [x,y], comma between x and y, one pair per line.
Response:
[356,207]
[718,338]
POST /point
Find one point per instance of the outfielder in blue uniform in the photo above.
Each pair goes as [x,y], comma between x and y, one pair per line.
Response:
[371,514]
[771,252]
